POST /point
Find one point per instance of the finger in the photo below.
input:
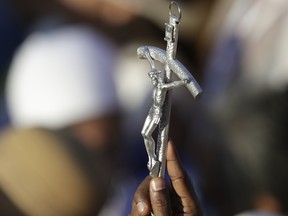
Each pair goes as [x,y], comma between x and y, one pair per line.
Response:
[159,197]
[180,181]
[141,202]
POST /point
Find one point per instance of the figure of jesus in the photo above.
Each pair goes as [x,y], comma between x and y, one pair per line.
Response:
[155,113]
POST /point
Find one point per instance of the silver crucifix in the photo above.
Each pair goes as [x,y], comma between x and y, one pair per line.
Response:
[159,113]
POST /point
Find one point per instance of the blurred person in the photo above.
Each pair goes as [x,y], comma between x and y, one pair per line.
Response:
[245,85]
[61,78]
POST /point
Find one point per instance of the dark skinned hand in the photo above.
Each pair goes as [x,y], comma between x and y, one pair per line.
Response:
[155,195]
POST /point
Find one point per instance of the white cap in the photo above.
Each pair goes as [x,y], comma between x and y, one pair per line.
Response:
[61,77]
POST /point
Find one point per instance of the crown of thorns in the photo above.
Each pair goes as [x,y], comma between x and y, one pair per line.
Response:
[154,72]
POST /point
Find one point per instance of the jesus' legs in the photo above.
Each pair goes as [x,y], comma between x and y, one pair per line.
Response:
[148,128]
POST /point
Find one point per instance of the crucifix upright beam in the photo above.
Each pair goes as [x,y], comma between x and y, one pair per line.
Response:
[171,66]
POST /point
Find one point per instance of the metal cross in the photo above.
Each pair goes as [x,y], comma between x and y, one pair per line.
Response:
[159,113]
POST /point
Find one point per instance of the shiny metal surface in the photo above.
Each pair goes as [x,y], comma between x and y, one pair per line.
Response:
[159,113]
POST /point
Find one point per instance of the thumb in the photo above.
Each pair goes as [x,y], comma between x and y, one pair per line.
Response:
[159,197]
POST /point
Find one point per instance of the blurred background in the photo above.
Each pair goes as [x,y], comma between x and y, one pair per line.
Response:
[70,68]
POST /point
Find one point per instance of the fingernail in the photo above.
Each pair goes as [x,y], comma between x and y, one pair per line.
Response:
[158,184]
[140,207]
